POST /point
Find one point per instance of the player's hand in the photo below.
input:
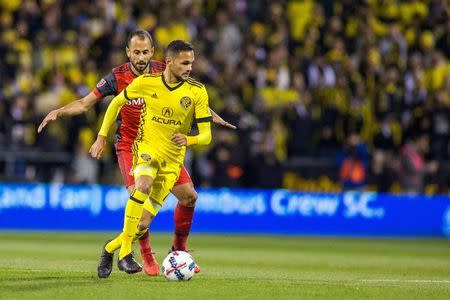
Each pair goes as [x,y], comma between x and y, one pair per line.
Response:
[218,120]
[179,139]
[97,147]
[51,116]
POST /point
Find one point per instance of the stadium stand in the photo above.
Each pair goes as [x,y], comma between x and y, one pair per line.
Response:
[298,78]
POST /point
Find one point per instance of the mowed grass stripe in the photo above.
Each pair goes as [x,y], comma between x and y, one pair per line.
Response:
[49,265]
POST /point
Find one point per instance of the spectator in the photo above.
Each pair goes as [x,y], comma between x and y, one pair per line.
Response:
[383,154]
[413,165]
[306,83]
[353,167]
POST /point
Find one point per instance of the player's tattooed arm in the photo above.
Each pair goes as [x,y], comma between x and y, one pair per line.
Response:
[218,120]
[73,108]
[105,87]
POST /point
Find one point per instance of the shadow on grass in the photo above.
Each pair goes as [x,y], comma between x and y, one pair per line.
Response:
[41,286]
[19,283]
[40,283]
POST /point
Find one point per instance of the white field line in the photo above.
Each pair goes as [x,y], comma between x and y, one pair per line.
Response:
[407,280]
[53,270]
[312,281]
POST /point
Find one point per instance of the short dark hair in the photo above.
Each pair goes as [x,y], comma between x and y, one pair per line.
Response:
[178,46]
[143,34]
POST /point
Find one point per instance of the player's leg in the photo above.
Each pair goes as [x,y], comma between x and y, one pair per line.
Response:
[161,188]
[144,170]
[184,211]
[133,212]
[151,266]
[104,268]
[125,162]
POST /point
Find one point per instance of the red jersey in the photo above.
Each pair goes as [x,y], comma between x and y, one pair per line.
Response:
[128,119]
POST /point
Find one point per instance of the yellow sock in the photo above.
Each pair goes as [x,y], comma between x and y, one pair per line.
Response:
[133,213]
[114,244]
[139,233]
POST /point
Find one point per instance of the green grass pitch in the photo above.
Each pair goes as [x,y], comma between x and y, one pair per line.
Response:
[63,266]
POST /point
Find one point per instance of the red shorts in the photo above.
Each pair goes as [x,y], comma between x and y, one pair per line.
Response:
[184,177]
[125,160]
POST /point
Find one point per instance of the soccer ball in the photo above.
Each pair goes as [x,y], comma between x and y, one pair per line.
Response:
[178,265]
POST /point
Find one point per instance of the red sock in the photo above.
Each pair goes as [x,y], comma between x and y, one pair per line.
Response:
[144,242]
[183,221]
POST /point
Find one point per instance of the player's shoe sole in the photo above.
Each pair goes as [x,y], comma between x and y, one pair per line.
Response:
[129,265]
[104,268]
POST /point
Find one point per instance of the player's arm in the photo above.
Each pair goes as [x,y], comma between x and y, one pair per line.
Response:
[73,108]
[105,87]
[110,116]
[132,91]
[203,137]
[203,118]
[218,120]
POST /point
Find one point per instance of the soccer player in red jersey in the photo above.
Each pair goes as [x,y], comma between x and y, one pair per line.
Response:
[139,51]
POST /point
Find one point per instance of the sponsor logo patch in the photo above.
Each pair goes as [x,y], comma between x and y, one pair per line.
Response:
[167,112]
[137,101]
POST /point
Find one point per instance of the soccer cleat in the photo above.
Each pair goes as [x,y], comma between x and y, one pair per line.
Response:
[106,261]
[129,265]
[172,249]
[151,266]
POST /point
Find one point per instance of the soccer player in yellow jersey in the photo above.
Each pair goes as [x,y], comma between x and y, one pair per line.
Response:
[171,100]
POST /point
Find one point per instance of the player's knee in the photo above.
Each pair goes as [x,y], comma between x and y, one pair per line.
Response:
[189,198]
[130,189]
[143,186]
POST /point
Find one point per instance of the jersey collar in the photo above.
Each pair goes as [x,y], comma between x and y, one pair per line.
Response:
[170,88]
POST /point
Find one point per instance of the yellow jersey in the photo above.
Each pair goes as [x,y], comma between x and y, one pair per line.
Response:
[166,110]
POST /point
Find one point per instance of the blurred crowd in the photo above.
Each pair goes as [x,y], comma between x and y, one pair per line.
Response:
[365,84]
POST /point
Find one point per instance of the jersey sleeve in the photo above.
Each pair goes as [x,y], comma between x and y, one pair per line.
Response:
[202,113]
[106,86]
[111,113]
[132,91]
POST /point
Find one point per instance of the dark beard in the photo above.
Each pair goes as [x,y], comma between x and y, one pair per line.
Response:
[179,78]
[138,68]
